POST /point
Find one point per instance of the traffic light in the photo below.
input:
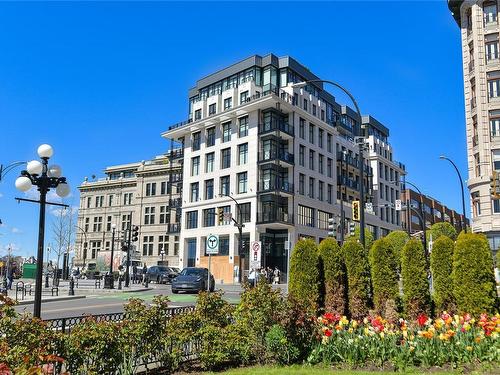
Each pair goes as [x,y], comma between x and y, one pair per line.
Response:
[355,210]
[332,227]
[352,228]
[124,245]
[495,184]
[135,233]
[220,215]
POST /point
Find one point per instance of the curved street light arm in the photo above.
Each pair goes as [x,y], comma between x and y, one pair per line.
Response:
[464,226]
[7,169]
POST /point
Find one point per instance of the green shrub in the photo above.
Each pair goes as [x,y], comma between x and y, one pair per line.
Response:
[358,278]
[304,273]
[384,272]
[442,267]
[278,348]
[414,271]
[497,259]
[335,280]
[398,240]
[368,237]
[213,309]
[473,277]
[442,229]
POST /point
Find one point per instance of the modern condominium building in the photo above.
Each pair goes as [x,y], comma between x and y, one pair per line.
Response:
[286,155]
[478,22]
[146,194]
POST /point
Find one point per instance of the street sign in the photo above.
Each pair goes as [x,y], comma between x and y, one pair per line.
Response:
[398,205]
[212,244]
[255,254]
[227,216]
[369,207]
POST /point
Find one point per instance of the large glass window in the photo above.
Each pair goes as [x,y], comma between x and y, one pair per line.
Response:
[245,213]
[210,158]
[211,109]
[243,154]
[147,245]
[209,217]
[311,187]
[311,160]
[191,219]
[226,132]
[492,50]
[225,158]
[211,136]
[196,141]
[493,84]
[244,97]
[195,166]
[149,215]
[302,126]
[302,184]
[320,164]
[311,133]
[150,189]
[197,114]
[305,216]
[225,186]
[209,189]
[223,245]
[195,191]
[228,103]
[243,126]
[242,182]
[320,138]
[302,151]
[490,12]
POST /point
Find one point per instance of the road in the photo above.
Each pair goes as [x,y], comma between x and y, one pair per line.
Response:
[113,302]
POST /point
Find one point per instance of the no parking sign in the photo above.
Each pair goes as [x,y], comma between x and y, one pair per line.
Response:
[255,254]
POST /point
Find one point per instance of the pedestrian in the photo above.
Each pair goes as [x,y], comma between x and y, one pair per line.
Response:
[144,273]
[269,275]
[277,274]
[134,274]
[10,277]
[251,277]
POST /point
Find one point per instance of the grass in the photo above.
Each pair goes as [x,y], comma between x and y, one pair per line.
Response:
[306,370]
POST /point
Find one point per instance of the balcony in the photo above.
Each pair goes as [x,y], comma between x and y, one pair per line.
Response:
[273,155]
[274,216]
[349,160]
[173,228]
[175,203]
[281,126]
[275,185]
[178,153]
[347,182]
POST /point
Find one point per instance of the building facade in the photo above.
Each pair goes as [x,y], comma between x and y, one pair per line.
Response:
[144,194]
[281,159]
[478,22]
[434,211]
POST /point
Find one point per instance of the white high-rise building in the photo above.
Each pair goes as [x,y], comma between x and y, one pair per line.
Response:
[478,22]
[276,150]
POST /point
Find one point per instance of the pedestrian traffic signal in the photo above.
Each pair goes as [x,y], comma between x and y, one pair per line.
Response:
[220,215]
[332,227]
[495,184]
[352,228]
[135,233]
[355,210]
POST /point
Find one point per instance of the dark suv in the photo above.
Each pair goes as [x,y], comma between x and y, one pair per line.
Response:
[160,274]
[192,279]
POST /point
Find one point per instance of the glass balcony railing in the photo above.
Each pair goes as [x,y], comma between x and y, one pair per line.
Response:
[344,181]
[271,126]
[174,203]
[274,216]
[276,155]
[276,185]
[174,228]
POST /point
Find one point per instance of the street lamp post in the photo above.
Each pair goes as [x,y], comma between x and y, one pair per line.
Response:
[361,145]
[240,227]
[84,257]
[463,221]
[44,177]
[341,184]
[109,281]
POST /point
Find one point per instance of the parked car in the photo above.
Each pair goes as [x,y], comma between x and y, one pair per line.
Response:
[160,274]
[192,279]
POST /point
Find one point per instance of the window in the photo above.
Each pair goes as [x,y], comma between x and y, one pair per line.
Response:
[243,154]
[164,219]
[195,166]
[323,219]
[495,126]
[87,224]
[302,125]
[99,201]
[320,138]
[243,126]
[302,151]
[305,104]
[163,245]
[149,215]
[196,141]
[314,109]
[108,223]
[492,50]
[97,223]
[95,247]
[301,184]
[496,160]
[329,167]
[210,162]
[224,186]
[320,163]
[126,222]
[305,216]
[197,114]
[322,115]
[493,84]
[243,97]
[211,109]
[209,217]
[191,219]
[330,194]
[89,201]
[311,160]
[320,190]
[225,209]
[329,142]
[311,133]
[195,191]
[476,204]
[225,158]
[163,188]
[311,187]
[242,182]
[226,132]
[228,103]
[147,245]
[110,200]
[245,213]
[209,189]
[210,136]
[490,12]
[223,245]
[127,199]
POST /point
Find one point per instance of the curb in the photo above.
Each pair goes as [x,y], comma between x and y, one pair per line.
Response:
[67,298]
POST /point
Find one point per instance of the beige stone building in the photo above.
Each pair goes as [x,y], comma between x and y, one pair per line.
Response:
[478,22]
[146,194]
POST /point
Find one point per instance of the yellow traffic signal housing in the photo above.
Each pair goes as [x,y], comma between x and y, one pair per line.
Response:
[220,215]
[355,210]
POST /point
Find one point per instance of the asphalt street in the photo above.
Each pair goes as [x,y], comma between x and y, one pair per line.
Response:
[113,302]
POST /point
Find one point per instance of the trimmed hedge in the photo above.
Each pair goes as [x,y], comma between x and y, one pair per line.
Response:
[335,278]
[416,296]
[384,271]
[442,267]
[304,273]
[442,229]
[358,278]
[398,240]
[368,237]
[473,277]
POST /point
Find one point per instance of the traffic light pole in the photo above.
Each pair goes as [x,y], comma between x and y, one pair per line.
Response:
[129,240]
[240,231]
[361,194]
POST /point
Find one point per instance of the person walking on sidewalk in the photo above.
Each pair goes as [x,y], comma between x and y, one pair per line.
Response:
[277,274]
[134,274]
[144,273]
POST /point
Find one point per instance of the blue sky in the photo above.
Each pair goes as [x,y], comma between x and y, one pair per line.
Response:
[101,81]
